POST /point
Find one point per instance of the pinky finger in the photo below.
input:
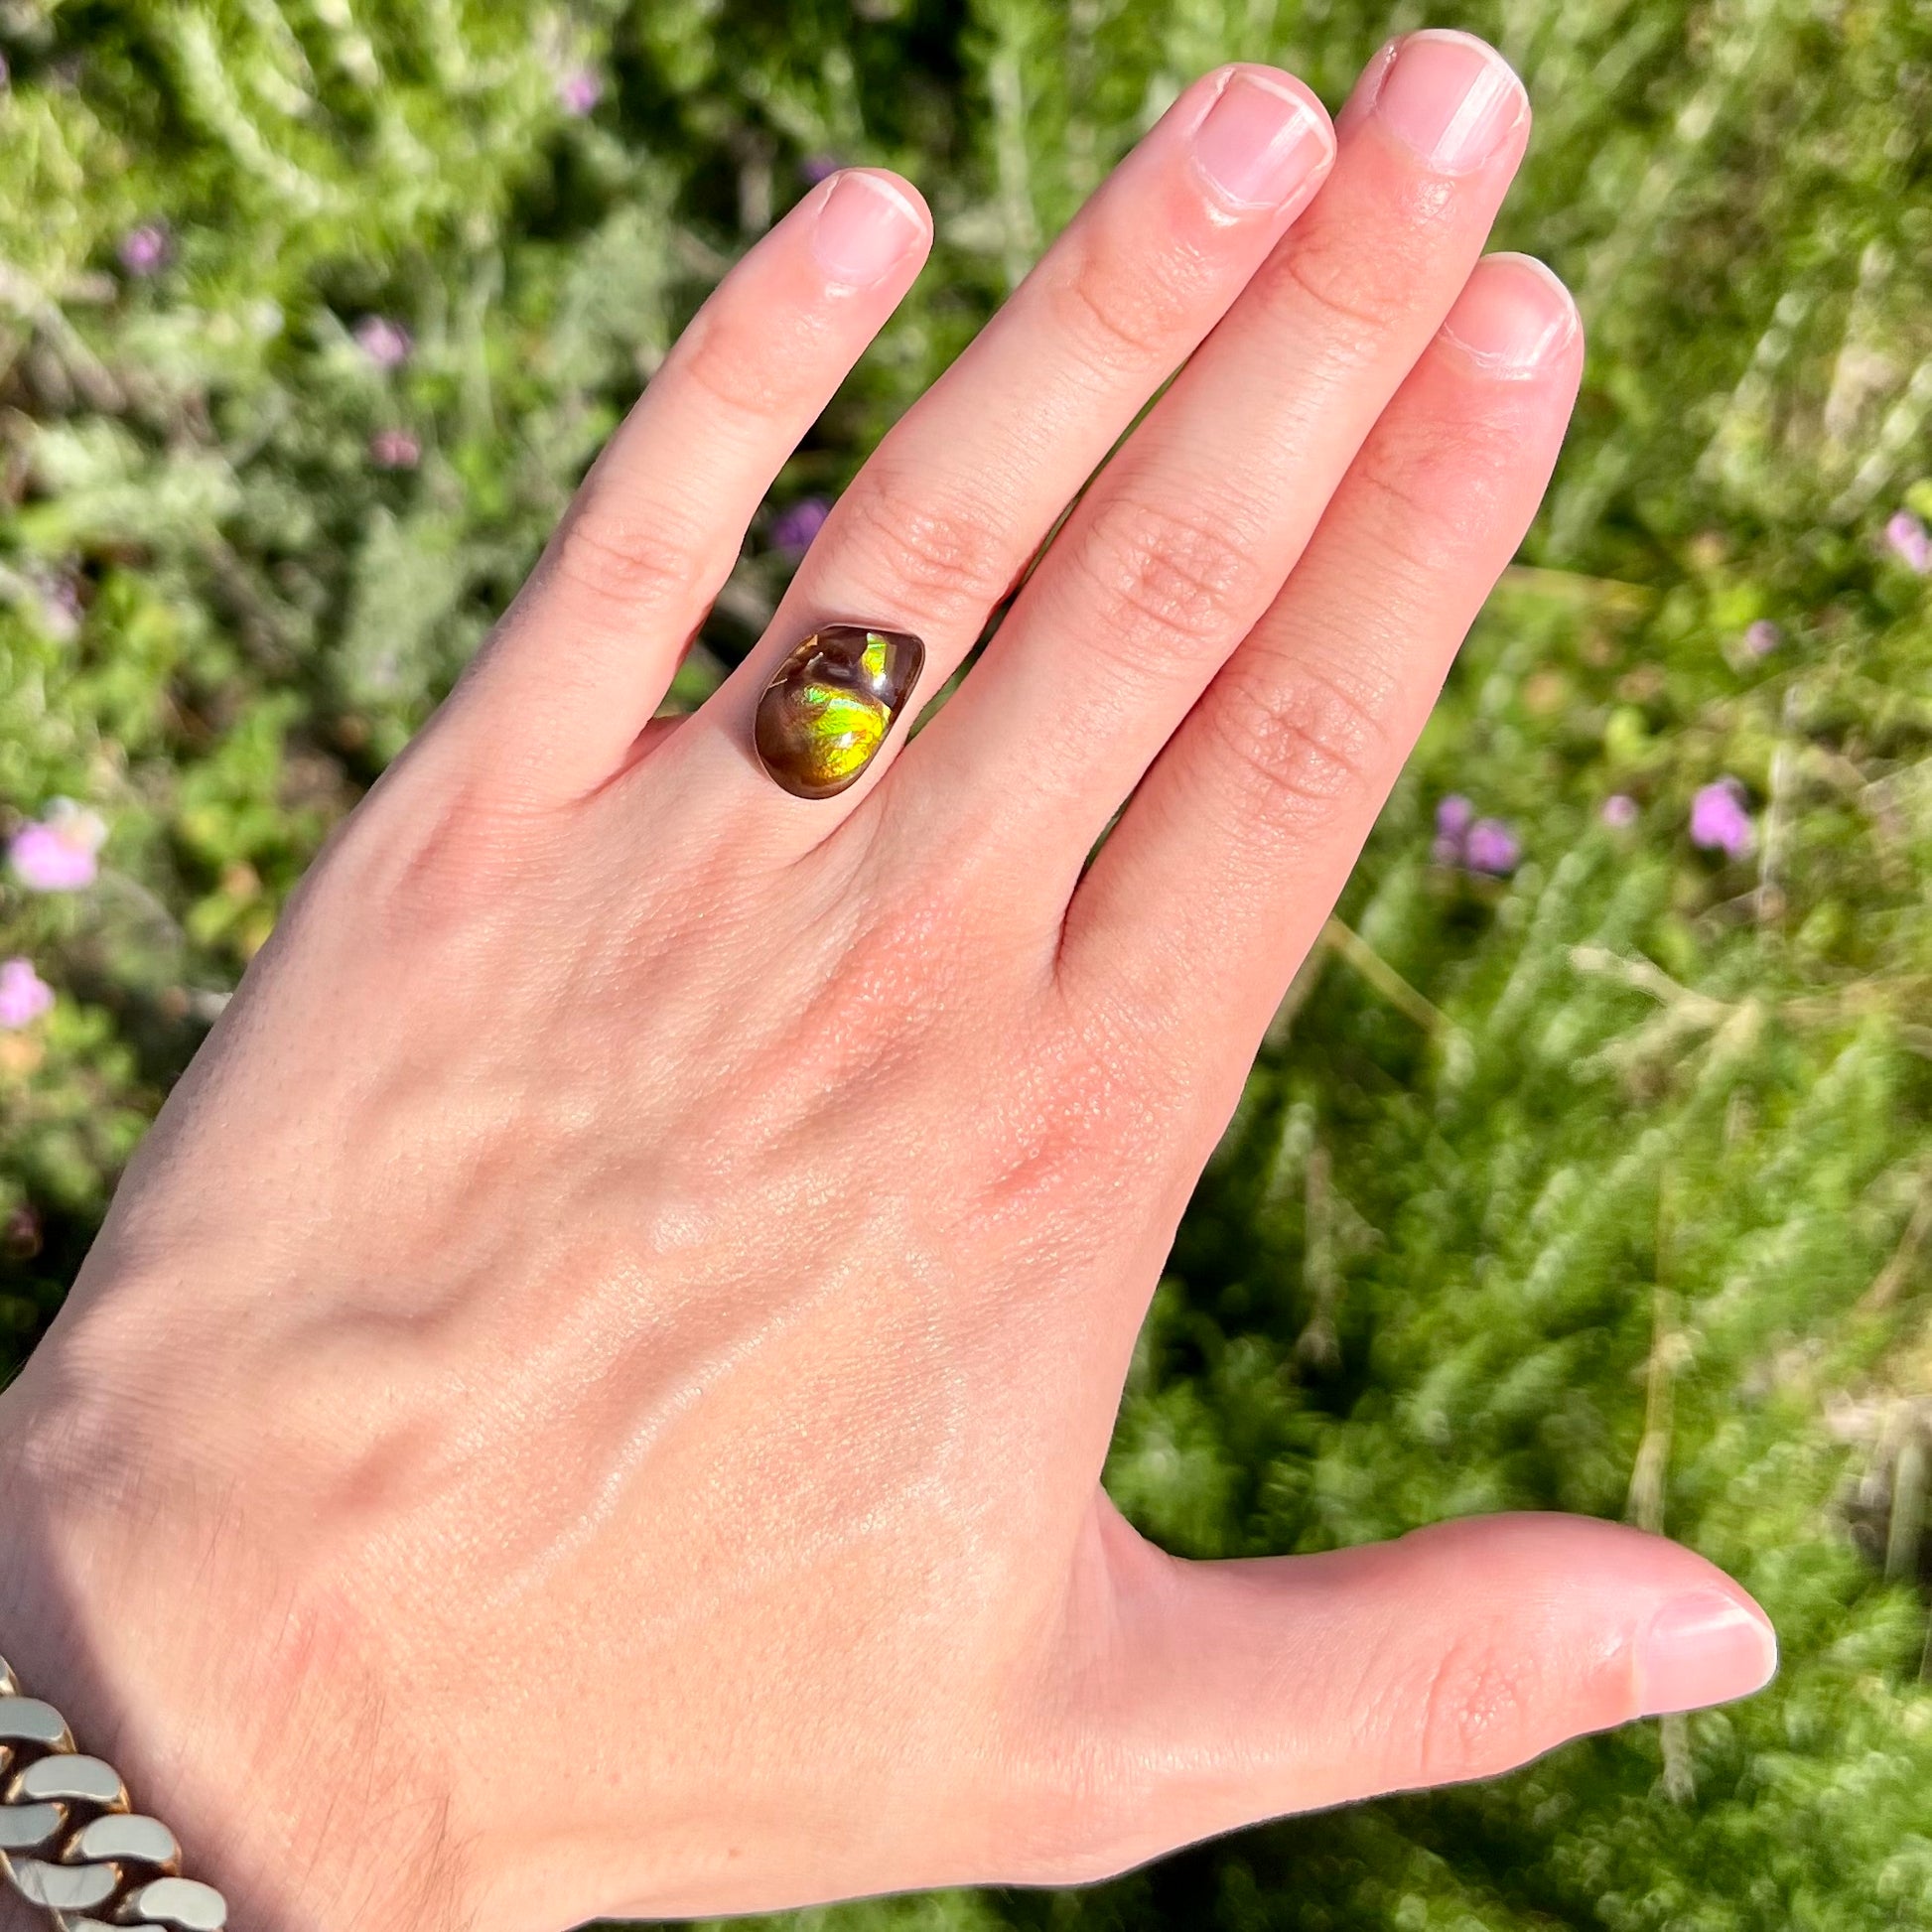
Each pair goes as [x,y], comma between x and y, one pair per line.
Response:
[555,700]
[1231,853]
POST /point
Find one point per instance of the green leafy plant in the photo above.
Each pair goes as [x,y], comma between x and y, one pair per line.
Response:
[1588,1165]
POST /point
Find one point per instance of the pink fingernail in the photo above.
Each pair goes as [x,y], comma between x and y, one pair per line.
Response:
[865,230]
[1260,141]
[1451,97]
[1703,1648]
[1512,316]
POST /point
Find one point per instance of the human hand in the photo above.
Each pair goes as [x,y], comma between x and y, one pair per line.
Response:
[591,1398]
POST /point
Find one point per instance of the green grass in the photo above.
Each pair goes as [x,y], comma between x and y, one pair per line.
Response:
[1606,1187]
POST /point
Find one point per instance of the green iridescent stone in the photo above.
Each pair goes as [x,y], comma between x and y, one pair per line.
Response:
[824,715]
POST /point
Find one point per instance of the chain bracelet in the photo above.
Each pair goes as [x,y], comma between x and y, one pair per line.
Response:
[69,1842]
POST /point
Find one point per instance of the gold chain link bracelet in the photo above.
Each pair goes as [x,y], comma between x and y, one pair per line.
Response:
[69,1844]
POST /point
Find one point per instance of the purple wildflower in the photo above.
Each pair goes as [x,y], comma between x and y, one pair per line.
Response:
[57,853]
[1720,822]
[1475,844]
[1453,817]
[816,168]
[24,995]
[1761,638]
[386,344]
[1906,536]
[144,251]
[794,529]
[1491,846]
[1620,811]
[394,449]
[579,90]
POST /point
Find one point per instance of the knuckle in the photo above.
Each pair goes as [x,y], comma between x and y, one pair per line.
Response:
[1063,1158]
[1470,1715]
[1428,501]
[1162,579]
[1394,490]
[754,373]
[1356,292]
[1117,317]
[951,562]
[1308,737]
[628,560]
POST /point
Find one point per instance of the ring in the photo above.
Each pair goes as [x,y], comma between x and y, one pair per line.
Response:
[824,715]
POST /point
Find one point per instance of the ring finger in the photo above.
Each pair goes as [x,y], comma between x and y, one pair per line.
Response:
[1245,830]
[962,493]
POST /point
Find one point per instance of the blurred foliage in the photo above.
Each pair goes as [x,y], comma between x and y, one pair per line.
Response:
[1605,1186]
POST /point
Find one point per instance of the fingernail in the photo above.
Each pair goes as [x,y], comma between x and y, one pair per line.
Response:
[1259,141]
[1367,89]
[1451,97]
[865,228]
[1702,1649]
[1512,316]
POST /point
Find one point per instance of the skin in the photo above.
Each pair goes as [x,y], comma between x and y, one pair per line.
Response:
[591,1398]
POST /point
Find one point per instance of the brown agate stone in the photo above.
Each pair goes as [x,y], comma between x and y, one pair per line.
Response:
[834,699]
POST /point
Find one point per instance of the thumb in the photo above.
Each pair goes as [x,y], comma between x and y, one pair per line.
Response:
[1231,1692]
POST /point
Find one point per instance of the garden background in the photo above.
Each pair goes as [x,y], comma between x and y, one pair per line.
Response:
[1588,1165]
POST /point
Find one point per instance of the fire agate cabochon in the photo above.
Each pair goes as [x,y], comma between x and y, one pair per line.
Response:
[826,713]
